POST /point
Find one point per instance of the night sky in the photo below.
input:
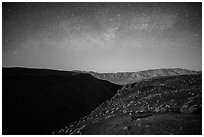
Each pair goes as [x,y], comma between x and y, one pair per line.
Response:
[102,37]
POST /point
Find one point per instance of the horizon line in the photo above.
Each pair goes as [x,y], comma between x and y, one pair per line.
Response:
[96,71]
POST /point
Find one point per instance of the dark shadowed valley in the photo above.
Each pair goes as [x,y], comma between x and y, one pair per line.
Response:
[38,101]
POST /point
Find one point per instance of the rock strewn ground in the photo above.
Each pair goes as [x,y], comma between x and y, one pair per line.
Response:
[165,105]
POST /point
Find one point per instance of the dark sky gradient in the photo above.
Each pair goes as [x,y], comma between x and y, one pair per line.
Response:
[102,37]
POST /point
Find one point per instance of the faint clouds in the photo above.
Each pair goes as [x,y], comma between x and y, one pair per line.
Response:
[153,22]
[94,39]
[138,27]
[109,34]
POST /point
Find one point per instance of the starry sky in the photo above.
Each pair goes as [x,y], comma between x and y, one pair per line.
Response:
[102,37]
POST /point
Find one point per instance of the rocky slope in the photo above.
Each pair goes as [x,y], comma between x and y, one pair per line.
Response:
[37,101]
[124,78]
[161,105]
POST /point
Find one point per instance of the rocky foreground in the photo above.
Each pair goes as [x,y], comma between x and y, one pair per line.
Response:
[162,105]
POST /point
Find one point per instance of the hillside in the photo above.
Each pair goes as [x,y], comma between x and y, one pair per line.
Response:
[37,101]
[161,105]
[124,78]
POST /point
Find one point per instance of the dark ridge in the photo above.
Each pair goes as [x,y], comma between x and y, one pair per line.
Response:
[37,101]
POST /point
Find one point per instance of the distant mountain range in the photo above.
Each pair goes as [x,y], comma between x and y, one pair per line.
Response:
[123,78]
